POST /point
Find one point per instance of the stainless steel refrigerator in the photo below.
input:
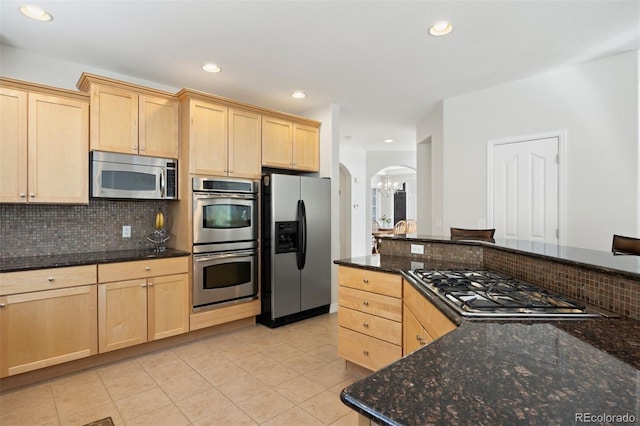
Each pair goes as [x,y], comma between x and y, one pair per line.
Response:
[296,248]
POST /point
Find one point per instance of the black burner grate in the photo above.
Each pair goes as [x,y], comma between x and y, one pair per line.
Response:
[486,291]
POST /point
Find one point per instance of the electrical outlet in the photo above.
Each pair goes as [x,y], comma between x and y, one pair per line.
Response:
[126,231]
[417,249]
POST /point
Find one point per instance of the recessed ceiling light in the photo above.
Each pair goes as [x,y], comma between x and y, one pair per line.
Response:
[209,67]
[441,28]
[34,12]
[388,141]
[298,95]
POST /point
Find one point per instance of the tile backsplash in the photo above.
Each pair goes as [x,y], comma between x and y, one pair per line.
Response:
[34,229]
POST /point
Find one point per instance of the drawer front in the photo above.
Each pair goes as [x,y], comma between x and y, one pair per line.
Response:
[370,303]
[366,351]
[46,279]
[435,322]
[123,271]
[371,325]
[376,282]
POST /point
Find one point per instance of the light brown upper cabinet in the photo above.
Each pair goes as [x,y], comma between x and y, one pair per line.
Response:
[43,131]
[290,145]
[131,119]
[221,140]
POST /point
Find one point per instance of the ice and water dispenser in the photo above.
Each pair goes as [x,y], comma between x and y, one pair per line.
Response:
[286,237]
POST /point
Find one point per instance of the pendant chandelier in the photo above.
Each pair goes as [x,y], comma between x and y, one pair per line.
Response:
[386,187]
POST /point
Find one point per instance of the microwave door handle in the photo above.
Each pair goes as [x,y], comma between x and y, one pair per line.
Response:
[162,183]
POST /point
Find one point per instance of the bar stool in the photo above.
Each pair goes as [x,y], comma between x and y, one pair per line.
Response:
[472,234]
[625,245]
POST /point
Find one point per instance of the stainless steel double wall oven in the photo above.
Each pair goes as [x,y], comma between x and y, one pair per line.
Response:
[225,241]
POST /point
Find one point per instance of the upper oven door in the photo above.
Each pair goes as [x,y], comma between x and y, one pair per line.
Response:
[221,218]
[120,180]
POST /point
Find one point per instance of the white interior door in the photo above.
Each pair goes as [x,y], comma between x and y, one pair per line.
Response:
[524,179]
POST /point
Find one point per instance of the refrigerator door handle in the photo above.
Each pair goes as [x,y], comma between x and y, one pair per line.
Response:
[301,255]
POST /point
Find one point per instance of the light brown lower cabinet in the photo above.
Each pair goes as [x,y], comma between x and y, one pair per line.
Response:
[44,328]
[370,317]
[142,309]
[423,322]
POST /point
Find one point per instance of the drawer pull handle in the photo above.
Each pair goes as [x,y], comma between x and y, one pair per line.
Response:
[420,340]
[51,279]
[365,303]
[150,284]
[2,305]
[366,352]
[365,280]
[365,325]
[143,285]
[147,268]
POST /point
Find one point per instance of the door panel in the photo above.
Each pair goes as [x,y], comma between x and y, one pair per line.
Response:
[316,275]
[524,183]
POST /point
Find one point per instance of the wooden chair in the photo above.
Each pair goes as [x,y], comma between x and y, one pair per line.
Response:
[375,226]
[400,227]
[625,245]
[412,225]
[472,234]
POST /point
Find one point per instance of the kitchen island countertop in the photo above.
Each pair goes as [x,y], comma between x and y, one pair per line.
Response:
[505,372]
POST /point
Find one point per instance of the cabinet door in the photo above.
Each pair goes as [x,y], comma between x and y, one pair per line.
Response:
[168,306]
[306,148]
[13,146]
[245,156]
[122,314]
[58,150]
[158,127]
[414,336]
[45,328]
[277,139]
[114,120]
[432,319]
[208,139]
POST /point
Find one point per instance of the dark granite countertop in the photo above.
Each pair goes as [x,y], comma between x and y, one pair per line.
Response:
[500,373]
[601,261]
[503,372]
[15,264]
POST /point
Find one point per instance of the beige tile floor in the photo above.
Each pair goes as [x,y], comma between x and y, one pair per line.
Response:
[255,376]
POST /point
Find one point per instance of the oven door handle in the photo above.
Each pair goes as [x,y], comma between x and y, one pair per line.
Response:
[208,196]
[217,256]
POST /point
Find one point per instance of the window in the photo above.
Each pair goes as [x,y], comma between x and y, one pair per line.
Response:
[374,204]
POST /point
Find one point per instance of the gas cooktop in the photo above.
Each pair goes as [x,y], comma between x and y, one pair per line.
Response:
[486,294]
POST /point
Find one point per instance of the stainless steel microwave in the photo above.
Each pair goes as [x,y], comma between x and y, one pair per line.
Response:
[133,176]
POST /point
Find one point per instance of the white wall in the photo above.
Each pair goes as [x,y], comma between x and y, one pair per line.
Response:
[595,103]
[24,65]
[354,160]
[429,155]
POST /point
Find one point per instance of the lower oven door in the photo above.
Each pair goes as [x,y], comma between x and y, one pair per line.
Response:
[224,278]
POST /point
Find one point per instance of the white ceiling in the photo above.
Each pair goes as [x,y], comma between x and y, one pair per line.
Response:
[373,58]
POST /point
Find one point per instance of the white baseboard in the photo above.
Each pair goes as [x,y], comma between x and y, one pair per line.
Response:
[333,308]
